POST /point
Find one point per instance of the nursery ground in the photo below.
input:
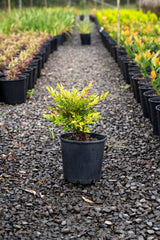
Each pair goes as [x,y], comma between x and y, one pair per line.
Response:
[35,201]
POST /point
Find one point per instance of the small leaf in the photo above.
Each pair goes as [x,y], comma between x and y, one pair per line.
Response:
[87,200]
[125,87]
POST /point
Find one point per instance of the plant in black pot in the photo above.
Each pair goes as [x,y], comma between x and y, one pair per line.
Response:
[143,60]
[85,27]
[13,85]
[155,94]
[82,151]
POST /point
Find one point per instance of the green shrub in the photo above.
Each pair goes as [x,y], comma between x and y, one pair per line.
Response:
[74,110]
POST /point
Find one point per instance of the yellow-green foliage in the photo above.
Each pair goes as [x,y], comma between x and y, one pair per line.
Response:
[155,73]
[127,16]
[84,26]
[74,109]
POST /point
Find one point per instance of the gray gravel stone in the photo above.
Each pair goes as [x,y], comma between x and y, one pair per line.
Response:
[126,199]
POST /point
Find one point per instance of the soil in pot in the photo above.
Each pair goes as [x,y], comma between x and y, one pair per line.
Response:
[145,81]
[82,160]
[153,102]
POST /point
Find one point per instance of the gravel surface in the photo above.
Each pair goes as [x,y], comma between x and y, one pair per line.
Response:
[36,203]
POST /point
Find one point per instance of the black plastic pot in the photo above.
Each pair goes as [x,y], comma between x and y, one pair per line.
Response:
[147,95]
[105,38]
[81,17]
[135,79]
[34,66]
[143,89]
[31,77]
[85,39]
[92,18]
[114,51]
[47,47]
[2,75]
[39,62]
[124,67]
[54,44]
[13,91]
[158,117]
[26,75]
[82,161]
[131,72]
[97,25]
[153,102]
[42,54]
[112,47]
[59,39]
[120,52]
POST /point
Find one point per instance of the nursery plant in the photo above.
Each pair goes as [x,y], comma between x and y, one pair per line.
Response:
[75,110]
[155,73]
[82,151]
[143,61]
[85,26]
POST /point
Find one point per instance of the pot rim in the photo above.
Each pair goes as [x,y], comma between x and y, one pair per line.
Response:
[144,86]
[158,107]
[85,34]
[148,92]
[3,79]
[102,138]
[154,99]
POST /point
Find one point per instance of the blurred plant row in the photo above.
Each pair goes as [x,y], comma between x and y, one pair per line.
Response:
[53,21]
[23,34]
[139,35]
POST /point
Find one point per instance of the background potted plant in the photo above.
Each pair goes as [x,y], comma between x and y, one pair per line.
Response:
[154,101]
[85,27]
[82,151]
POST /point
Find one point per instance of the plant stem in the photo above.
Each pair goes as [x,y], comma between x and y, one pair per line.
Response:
[9,7]
[118,23]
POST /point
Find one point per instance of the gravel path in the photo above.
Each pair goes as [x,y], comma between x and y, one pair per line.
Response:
[36,203]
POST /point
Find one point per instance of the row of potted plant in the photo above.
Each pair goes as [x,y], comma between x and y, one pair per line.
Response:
[53,21]
[23,54]
[21,66]
[138,56]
